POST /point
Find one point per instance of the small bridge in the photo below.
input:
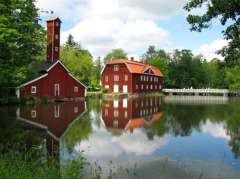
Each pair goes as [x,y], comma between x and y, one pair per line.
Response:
[198,92]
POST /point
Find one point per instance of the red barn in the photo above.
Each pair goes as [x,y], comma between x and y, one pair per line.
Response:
[53,78]
[129,76]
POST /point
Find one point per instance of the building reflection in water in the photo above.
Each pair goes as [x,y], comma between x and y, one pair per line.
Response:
[51,122]
[126,114]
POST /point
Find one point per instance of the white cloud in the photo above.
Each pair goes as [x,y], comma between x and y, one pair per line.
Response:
[216,130]
[136,143]
[208,50]
[100,36]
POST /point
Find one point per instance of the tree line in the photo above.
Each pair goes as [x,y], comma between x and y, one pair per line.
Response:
[23,41]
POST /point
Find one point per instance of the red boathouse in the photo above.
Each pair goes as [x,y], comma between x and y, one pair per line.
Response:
[53,78]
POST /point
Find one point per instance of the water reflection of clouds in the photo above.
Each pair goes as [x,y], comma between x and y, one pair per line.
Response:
[215,129]
[137,143]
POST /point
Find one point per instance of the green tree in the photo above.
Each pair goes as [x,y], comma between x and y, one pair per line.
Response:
[22,39]
[233,76]
[70,41]
[225,11]
[162,66]
[78,62]
[114,55]
[96,76]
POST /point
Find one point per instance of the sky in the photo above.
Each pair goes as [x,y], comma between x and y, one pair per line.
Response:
[132,25]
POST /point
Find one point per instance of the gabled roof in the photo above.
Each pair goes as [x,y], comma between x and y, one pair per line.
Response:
[53,18]
[43,68]
[134,66]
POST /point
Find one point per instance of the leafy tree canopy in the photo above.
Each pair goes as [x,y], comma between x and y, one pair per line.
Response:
[114,55]
[22,39]
[225,11]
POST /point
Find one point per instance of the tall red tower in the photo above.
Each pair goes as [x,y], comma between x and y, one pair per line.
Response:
[53,49]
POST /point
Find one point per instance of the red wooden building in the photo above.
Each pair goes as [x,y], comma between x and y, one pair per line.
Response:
[53,78]
[129,76]
[127,114]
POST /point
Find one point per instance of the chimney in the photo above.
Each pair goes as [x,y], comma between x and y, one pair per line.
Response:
[132,58]
[53,36]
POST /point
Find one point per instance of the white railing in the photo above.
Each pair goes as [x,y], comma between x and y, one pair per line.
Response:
[195,90]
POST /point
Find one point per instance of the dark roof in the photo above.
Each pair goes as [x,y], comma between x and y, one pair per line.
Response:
[44,66]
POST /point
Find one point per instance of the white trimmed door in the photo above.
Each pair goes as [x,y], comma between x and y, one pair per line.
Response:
[115,88]
[125,89]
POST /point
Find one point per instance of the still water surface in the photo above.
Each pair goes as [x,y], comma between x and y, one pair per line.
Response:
[159,137]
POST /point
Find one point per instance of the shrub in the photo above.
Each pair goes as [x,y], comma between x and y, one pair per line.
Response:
[44,99]
[105,90]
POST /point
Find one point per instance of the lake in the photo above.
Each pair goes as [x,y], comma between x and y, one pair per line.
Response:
[158,137]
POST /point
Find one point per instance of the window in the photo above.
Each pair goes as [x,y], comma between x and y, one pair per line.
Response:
[75,109]
[106,112]
[106,86]
[155,86]
[125,114]
[116,78]
[57,90]
[57,24]
[34,89]
[136,86]
[106,78]
[57,111]
[151,78]
[115,67]
[56,48]
[146,86]
[151,87]
[115,123]
[141,78]
[126,77]
[160,86]
[141,86]
[33,114]
[116,114]
[144,78]
[56,36]
[75,89]
[147,78]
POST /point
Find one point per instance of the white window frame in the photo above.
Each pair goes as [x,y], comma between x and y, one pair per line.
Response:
[57,90]
[33,89]
[56,36]
[141,78]
[136,86]
[75,109]
[75,89]
[115,123]
[146,86]
[57,109]
[116,67]
[141,86]
[115,113]
[57,24]
[116,78]
[151,78]
[151,86]
[33,114]
[106,112]
[56,49]
[106,78]
[160,86]
[126,77]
